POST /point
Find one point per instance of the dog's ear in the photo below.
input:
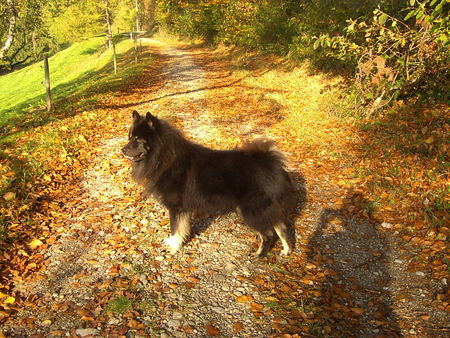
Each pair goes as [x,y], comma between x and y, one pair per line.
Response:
[135,115]
[152,121]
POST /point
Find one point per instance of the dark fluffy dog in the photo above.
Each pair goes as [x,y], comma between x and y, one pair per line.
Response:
[189,178]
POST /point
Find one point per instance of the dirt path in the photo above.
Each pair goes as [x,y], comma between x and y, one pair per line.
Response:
[107,273]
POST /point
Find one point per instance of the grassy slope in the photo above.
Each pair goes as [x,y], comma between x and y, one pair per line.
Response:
[72,70]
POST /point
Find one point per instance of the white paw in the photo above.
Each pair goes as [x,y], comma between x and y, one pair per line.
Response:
[173,243]
[286,252]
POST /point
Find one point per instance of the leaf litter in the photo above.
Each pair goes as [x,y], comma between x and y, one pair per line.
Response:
[93,263]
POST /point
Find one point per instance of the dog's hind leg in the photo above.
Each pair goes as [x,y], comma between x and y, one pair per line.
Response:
[266,243]
[180,228]
[285,237]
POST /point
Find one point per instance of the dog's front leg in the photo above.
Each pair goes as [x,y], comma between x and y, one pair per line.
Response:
[180,228]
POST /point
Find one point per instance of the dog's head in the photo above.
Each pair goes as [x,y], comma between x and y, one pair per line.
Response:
[141,136]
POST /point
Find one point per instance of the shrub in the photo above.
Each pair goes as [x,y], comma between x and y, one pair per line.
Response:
[394,56]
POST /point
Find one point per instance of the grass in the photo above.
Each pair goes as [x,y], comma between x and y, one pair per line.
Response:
[71,71]
[120,305]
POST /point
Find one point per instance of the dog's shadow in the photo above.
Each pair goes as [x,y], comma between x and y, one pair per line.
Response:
[201,223]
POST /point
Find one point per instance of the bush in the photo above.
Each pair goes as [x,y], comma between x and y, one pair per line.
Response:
[274,27]
[395,56]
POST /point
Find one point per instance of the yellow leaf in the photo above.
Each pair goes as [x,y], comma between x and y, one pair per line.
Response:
[9,300]
[429,140]
[35,243]
[244,299]
[47,322]
[271,299]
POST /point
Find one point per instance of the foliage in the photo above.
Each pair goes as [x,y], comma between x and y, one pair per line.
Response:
[394,55]
[29,34]
[124,13]
[46,26]
[191,21]
[79,20]
[396,50]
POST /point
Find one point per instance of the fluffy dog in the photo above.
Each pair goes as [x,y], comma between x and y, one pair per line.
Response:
[189,178]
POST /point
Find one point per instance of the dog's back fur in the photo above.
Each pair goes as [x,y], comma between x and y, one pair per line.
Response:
[189,178]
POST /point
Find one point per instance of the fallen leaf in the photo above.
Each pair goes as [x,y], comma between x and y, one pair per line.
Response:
[9,196]
[35,243]
[256,307]
[188,329]
[244,299]
[238,327]
[211,330]
[357,310]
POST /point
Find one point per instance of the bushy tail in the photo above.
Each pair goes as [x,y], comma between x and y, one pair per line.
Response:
[264,145]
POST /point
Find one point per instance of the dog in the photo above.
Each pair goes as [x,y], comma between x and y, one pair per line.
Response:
[188,178]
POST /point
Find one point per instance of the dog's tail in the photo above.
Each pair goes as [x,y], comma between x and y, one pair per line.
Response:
[264,145]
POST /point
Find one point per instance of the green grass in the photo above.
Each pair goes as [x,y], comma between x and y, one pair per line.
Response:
[71,71]
[120,305]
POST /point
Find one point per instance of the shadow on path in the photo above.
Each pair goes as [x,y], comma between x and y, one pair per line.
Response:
[356,297]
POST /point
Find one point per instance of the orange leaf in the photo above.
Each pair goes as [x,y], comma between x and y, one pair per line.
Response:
[357,310]
[194,279]
[244,299]
[134,324]
[256,307]
[188,329]
[212,331]
[238,327]
[83,312]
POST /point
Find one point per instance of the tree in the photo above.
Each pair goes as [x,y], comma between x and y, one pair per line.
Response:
[21,23]
[11,31]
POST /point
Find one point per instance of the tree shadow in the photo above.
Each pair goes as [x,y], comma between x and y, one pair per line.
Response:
[356,300]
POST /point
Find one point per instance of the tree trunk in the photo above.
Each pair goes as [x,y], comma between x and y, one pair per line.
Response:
[108,25]
[48,93]
[138,26]
[11,29]
[109,34]
[33,40]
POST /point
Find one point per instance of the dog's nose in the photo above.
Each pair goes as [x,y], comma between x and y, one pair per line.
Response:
[124,150]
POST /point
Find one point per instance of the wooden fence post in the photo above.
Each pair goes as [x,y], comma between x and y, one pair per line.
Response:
[114,58]
[47,83]
[136,51]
